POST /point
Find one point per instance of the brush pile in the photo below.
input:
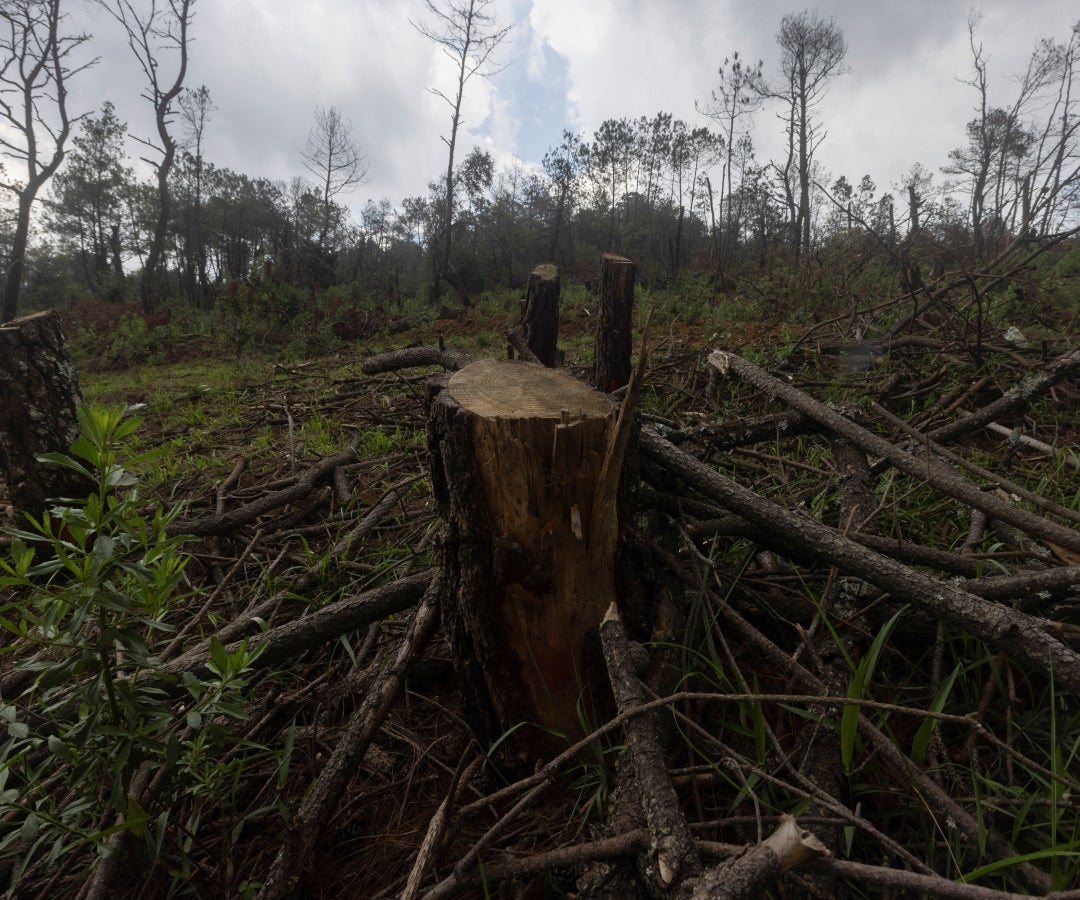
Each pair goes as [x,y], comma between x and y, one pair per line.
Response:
[859,675]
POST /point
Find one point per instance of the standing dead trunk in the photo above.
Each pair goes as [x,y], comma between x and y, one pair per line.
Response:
[541,316]
[522,464]
[38,396]
[615,323]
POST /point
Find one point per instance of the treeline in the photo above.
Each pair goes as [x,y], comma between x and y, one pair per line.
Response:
[680,199]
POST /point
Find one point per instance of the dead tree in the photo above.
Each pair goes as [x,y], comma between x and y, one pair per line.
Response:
[39,393]
[152,35]
[34,78]
[540,320]
[615,323]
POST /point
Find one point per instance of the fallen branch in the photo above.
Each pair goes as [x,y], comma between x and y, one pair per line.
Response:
[517,341]
[932,472]
[771,656]
[328,623]
[924,441]
[798,537]
[323,796]
[749,874]
[413,357]
[671,852]
[1014,399]
[1066,456]
[228,522]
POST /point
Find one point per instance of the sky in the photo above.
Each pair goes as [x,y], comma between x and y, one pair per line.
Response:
[566,65]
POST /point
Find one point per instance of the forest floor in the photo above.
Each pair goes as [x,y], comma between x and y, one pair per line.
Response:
[864,564]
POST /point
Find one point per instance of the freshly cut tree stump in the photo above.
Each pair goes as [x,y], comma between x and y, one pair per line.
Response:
[518,470]
[615,323]
[540,322]
[39,393]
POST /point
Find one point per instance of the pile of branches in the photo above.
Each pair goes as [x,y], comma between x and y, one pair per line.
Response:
[860,674]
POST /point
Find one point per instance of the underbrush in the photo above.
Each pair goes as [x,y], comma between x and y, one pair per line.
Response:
[93,599]
[787,686]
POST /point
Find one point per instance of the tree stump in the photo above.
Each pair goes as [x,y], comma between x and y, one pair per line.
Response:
[39,393]
[540,320]
[614,327]
[518,470]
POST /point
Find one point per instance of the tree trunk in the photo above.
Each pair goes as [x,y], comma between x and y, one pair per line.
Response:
[38,396]
[9,304]
[541,317]
[150,287]
[522,465]
[615,323]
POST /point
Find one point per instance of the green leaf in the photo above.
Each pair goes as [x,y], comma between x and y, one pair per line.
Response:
[232,710]
[921,740]
[58,748]
[135,820]
[194,719]
[30,826]
[1064,850]
[126,426]
[104,547]
[67,462]
[219,657]
[118,476]
[864,673]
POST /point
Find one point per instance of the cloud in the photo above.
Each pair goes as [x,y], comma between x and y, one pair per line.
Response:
[269,63]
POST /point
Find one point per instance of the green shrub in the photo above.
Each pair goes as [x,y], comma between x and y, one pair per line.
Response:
[86,597]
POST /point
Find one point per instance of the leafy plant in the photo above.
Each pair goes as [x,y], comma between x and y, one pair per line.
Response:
[88,590]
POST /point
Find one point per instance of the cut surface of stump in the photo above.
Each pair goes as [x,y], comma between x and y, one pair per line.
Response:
[517,455]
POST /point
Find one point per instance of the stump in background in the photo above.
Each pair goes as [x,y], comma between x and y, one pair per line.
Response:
[615,323]
[525,464]
[540,321]
[39,393]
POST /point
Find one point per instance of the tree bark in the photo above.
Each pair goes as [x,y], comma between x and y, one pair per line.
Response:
[9,304]
[616,321]
[521,470]
[751,873]
[39,392]
[672,855]
[541,317]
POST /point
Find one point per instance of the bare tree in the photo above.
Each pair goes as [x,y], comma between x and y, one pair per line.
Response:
[334,158]
[159,30]
[1020,165]
[196,108]
[469,35]
[693,151]
[813,50]
[33,115]
[737,97]
[1051,189]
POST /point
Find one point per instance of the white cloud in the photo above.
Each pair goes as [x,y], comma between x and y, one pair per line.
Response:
[269,63]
